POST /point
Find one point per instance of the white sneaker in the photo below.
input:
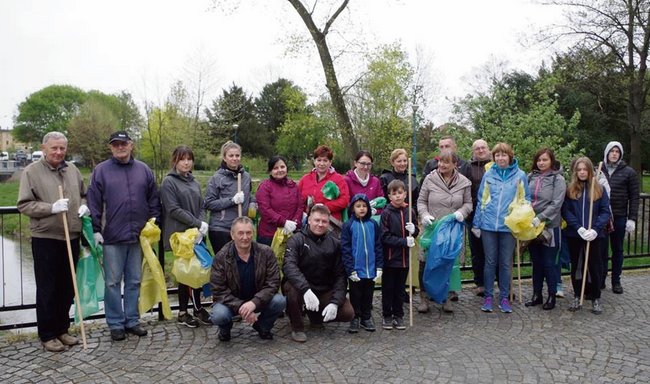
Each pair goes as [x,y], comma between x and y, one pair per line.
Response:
[559,294]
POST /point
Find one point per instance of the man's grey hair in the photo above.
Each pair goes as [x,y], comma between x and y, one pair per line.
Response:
[54,135]
[240,220]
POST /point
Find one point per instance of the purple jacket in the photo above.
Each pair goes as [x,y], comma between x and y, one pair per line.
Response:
[278,201]
[125,196]
[371,190]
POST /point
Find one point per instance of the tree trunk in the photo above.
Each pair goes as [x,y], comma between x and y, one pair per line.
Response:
[331,81]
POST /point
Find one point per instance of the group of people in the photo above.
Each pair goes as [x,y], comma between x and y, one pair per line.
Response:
[317,266]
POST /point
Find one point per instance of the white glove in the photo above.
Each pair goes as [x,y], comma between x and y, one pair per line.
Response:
[476,232]
[378,277]
[83,210]
[60,205]
[630,226]
[311,300]
[99,239]
[410,228]
[238,198]
[373,211]
[536,222]
[582,231]
[410,241]
[427,219]
[290,226]
[199,238]
[329,313]
[592,235]
[310,201]
[459,216]
[354,277]
[153,220]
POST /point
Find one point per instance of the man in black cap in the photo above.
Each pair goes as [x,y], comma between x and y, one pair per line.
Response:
[122,196]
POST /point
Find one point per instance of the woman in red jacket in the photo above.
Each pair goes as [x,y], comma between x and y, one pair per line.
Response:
[279,202]
[311,184]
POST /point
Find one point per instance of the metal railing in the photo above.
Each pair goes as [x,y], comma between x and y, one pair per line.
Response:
[17,274]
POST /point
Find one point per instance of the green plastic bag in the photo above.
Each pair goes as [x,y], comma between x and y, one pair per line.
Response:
[425,237]
[454,279]
[90,283]
[378,202]
[330,190]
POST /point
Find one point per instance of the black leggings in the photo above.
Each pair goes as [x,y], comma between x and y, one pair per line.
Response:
[184,297]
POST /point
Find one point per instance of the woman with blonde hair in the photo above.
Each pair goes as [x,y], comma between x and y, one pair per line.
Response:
[583,202]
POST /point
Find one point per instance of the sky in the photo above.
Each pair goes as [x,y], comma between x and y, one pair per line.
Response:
[143,46]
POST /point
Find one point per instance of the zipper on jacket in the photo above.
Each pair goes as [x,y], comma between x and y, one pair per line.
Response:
[365,247]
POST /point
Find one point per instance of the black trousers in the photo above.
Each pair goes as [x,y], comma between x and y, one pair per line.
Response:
[361,297]
[218,239]
[54,290]
[393,285]
[184,292]
[577,248]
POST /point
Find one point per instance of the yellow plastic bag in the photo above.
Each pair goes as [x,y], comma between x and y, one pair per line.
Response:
[153,288]
[520,217]
[190,272]
[182,243]
[279,245]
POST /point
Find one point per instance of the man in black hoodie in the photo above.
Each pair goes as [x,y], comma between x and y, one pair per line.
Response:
[624,202]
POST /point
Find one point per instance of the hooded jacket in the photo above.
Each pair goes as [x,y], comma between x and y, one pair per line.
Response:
[309,185]
[547,191]
[361,242]
[181,202]
[438,199]
[219,193]
[495,194]
[624,186]
[314,262]
[278,201]
[393,235]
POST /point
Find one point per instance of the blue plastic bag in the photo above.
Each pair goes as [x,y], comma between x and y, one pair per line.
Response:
[203,254]
[446,244]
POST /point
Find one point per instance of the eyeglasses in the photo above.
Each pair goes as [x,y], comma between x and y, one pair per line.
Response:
[364,164]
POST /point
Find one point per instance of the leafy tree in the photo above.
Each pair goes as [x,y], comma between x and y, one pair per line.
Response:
[89,129]
[523,113]
[271,105]
[380,106]
[233,117]
[622,29]
[49,109]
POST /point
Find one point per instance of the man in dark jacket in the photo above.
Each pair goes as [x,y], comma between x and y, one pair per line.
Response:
[481,156]
[245,280]
[445,144]
[122,196]
[624,202]
[314,275]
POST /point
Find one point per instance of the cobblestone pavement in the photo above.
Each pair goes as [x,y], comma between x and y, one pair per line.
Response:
[528,346]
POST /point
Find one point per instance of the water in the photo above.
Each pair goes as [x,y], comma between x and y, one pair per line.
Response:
[17,280]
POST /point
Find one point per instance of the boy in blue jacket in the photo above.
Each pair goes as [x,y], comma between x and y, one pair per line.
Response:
[362,259]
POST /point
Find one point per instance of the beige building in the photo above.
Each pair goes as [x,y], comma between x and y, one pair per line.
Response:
[7,142]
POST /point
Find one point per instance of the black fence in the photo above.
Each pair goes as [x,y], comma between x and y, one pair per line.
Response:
[17,274]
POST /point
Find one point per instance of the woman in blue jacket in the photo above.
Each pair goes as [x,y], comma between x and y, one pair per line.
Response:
[497,190]
[579,230]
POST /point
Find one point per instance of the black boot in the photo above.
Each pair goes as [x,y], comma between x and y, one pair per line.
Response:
[550,303]
[535,300]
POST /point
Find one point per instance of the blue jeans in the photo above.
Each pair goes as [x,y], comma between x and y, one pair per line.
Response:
[545,264]
[122,261]
[616,239]
[498,248]
[222,315]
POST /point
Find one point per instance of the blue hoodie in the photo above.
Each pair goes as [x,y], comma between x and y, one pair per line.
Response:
[361,242]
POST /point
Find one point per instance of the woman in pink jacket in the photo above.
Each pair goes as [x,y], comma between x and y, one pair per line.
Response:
[360,180]
[279,202]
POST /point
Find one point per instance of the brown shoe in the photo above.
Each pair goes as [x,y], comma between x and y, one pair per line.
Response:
[53,345]
[68,339]
[423,307]
[447,307]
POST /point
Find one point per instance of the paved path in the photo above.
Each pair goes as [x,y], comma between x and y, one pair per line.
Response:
[527,346]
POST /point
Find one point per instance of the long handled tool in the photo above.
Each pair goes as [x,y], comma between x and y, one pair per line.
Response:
[239,208]
[591,213]
[72,272]
[518,271]
[410,249]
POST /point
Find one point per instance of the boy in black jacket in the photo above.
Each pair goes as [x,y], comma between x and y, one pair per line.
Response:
[397,236]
